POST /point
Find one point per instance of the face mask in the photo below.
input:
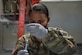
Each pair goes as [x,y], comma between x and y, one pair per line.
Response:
[36,30]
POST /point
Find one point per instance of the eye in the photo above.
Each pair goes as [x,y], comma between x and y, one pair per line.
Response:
[32,21]
[40,21]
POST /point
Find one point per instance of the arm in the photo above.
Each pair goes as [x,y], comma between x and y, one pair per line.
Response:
[70,42]
[19,45]
[62,43]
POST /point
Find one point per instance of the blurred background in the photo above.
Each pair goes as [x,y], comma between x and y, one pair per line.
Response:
[65,14]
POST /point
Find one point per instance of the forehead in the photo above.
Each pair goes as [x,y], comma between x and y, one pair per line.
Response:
[35,14]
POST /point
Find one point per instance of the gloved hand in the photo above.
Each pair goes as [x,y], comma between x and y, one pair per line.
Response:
[25,51]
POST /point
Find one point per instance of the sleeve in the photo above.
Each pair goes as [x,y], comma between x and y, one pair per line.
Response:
[70,41]
[19,45]
[63,43]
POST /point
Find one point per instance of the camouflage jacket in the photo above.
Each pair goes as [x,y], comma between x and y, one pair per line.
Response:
[58,42]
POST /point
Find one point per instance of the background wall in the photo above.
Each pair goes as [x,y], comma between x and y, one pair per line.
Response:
[68,16]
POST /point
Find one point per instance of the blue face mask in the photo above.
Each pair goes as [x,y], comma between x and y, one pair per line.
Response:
[36,30]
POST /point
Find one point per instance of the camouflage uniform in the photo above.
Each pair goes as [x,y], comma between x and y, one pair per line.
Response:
[58,42]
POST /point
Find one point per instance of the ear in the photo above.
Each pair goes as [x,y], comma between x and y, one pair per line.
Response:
[48,23]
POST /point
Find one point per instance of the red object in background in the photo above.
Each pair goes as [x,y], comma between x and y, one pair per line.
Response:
[35,1]
[21,18]
[22,14]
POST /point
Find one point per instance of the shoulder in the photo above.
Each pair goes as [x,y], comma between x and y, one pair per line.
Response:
[63,39]
[60,32]
[57,29]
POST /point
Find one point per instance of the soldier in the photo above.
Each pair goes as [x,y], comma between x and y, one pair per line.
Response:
[44,40]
